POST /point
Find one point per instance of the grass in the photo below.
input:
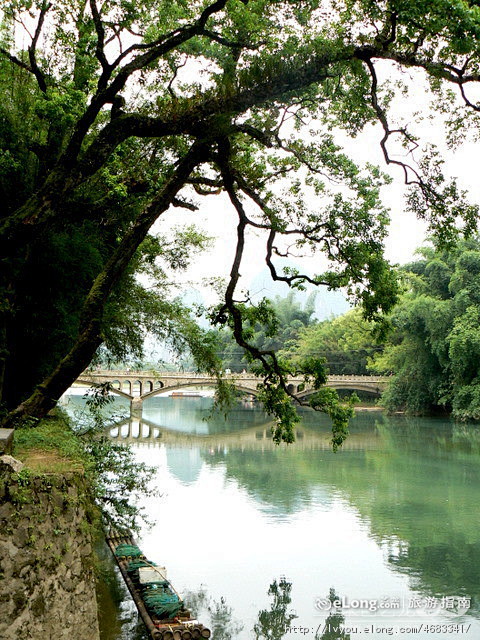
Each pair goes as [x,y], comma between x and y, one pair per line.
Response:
[50,447]
[43,462]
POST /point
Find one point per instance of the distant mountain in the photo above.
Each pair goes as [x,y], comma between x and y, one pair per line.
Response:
[327,303]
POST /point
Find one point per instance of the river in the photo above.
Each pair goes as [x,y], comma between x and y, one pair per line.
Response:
[254,534]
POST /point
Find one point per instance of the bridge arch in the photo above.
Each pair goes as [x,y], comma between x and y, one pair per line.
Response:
[349,386]
[189,384]
[147,386]
[122,394]
[116,390]
[137,387]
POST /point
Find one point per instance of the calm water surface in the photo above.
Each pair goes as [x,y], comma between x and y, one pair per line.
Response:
[392,519]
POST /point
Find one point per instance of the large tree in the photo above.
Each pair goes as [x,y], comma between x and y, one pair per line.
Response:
[114,113]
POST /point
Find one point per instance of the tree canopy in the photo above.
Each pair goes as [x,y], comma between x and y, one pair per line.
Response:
[346,343]
[115,113]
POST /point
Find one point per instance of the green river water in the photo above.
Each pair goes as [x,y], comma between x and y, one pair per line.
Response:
[391,523]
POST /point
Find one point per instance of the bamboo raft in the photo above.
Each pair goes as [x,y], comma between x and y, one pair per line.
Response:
[181,625]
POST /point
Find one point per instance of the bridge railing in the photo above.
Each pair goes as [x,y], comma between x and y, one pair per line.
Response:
[125,373]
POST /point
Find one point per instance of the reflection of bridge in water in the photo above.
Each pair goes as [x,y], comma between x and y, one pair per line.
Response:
[146,433]
[138,386]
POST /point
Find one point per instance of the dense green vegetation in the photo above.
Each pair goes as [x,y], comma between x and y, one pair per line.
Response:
[63,261]
[346,343]
[431,349]
[434,348]
[114,115]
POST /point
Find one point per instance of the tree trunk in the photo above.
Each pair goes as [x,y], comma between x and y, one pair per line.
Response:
[3,351]
[46,394]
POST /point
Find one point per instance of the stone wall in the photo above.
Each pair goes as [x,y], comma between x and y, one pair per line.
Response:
[47,585]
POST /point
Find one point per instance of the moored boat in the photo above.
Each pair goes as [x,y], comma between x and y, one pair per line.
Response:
[185,394]
[159,605]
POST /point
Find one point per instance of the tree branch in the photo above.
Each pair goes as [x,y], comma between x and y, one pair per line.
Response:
[100,46]
[183,204]
[32,49]
[274,373]
[231,44]
[288,279]
[206,186]
[389,33]
[106,95]
[15,60]
[387,132]
[446,71]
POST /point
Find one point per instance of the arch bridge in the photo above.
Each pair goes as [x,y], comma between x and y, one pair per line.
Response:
[138,386]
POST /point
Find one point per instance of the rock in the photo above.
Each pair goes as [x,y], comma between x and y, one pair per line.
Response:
[6,511]
[9,464]
[22,536]
[24,557]
[76,569]
[68,584]
[58,500]
[9,548]
[6,440]
[43,551]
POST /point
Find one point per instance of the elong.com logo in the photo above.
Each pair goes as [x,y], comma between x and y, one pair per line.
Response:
[396,606]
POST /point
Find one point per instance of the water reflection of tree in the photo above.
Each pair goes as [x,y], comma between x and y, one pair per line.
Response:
[468,436]
[332,627]
[417,489]
[273,624]
[223,626]
[275,477]
[221,621]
